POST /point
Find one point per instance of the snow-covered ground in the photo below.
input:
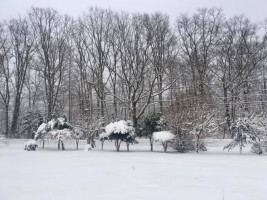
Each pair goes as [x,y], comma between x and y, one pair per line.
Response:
[136,175]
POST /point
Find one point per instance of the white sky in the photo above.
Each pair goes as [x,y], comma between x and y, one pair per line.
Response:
[256,10]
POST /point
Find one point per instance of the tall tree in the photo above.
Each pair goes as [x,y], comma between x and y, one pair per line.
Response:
[23,47]
[53,33]
[5,74]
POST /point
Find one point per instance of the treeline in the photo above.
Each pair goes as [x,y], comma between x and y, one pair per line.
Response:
[106,66]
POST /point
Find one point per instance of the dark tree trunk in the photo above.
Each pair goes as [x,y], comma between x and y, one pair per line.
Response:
[160,94]
[227,109]
[117,144]
[102,144]
[165,146]
[77,144]
[15,117]
[7,119]
[62,144]
[151,143]
[128,144]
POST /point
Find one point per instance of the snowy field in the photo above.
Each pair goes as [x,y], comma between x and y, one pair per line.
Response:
[136,175]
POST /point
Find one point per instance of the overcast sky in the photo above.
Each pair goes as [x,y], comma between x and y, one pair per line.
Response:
[256,10]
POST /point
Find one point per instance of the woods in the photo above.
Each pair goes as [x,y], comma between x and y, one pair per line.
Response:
[108,66]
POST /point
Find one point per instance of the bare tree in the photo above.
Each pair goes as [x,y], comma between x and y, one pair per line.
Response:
[97,25]
[198,35]
[163,51]
[52,31]
[5,74]
[23,47]
[239,55]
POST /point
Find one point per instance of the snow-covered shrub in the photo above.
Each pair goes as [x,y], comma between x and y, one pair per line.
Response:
[120,131]
[30,145]
[191,125]
[183,142]
[2,140]
[258,133]
[152,123]
[40,133]
[257,148]
[202,128]
[58,129]
[164,137]
[253,130]
[90,128]
[88,147]
[240,130]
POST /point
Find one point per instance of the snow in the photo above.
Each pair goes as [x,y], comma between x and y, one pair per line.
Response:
[2,140]
[51,124]
[139,174]
[41,129]
[30,142]
[120,127]
[103,135]
[60,134]
[163,136]
[88,147]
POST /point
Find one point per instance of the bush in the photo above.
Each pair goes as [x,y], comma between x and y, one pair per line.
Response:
[182,143]
[2,140]
[30,145]
[257,148]
[120,131]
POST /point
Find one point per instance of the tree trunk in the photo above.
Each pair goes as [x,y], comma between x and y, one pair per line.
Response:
[62,144]
[128,144]
[15,117]
[227,109]
[77,144]
[151,143]
[117,144]
[165,146]
[134,115]
[160,94]
[7,119]
[58,144]
[102,144]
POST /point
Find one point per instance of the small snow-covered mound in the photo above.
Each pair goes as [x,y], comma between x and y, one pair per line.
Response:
[88,147]
[30,145]
[163,136]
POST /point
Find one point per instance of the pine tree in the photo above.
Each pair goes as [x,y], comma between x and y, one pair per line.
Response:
[152,123]
[240,130]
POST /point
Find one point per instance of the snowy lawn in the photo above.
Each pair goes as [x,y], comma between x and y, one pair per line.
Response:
[137,175]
